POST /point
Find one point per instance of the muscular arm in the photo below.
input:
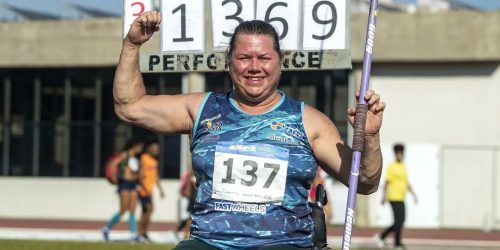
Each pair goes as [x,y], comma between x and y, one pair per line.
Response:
[335,157]
[165,114]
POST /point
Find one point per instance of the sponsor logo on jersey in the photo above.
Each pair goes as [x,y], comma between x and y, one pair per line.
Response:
[210,138]
[240,207]
[287,129]
[210,124]
[277,125]
[284,140]
[251,148]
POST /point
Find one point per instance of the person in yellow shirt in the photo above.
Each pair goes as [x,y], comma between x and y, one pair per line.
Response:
[149,178]
[395,188]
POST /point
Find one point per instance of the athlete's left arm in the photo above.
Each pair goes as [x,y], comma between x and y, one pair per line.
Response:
[335,157]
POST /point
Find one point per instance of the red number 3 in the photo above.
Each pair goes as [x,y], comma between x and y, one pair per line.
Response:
[141,8]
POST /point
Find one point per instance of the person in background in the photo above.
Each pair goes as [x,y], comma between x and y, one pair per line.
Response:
[127,178]
[395,188]
[188,191]
[148,179]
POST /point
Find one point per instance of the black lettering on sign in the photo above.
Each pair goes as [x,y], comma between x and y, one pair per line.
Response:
[183,59]
[211,62]
[285,63]
[198,58]
[153,60]
[294,60]
[168,60]
[314,59]
[216,61]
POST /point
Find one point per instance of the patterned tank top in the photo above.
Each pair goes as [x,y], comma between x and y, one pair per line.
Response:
[253,175]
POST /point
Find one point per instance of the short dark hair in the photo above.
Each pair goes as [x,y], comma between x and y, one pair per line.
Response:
[254,27]
[399,148]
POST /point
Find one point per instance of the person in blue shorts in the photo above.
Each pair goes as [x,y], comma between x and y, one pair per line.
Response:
[127,177]
[254,150]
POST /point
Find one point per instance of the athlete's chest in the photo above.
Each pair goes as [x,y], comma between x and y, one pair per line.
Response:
[284,130]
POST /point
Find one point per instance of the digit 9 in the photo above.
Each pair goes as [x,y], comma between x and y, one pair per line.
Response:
[332,20]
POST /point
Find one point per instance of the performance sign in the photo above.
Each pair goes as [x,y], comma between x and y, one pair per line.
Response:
[213,62]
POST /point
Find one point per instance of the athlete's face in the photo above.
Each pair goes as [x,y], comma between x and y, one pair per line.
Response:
[255,67]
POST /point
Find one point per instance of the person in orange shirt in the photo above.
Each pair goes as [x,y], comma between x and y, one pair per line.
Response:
[149,177]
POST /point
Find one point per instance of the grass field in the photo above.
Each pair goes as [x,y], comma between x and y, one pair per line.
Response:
[73,245]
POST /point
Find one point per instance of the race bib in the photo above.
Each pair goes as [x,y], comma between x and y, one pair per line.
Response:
[250,172]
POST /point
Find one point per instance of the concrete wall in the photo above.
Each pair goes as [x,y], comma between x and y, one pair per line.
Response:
[430,37]
[451,107]
[438,73]
[75,199]
[449,36]
[446,104]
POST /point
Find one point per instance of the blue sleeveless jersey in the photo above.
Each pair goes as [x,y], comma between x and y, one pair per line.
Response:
[253,175]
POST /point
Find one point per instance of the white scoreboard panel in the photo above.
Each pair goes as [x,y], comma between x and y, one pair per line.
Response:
[131,10]
[314,34]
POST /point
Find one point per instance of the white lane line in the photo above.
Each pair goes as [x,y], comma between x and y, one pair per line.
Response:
[368,241]
[80,235]
[169,237]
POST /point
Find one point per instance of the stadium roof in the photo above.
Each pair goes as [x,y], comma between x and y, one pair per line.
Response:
[92,12]
[31,14]
[16,13]
[458,5]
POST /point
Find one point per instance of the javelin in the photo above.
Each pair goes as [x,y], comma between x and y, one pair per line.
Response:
[359,127]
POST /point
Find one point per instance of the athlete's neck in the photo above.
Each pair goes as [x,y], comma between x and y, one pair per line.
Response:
[259,107]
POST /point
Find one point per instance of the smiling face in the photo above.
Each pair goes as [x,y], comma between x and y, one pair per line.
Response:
[255,67]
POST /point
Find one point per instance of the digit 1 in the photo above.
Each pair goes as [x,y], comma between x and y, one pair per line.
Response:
[183,37]
[229,173]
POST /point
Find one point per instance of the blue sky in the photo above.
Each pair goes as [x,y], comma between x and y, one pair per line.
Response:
[59,7]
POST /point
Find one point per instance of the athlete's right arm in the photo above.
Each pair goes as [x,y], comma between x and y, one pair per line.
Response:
[172,114]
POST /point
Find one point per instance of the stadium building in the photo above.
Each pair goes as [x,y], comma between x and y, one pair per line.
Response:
[438,72]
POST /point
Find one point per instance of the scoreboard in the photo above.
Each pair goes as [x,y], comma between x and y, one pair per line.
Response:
[194,34]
